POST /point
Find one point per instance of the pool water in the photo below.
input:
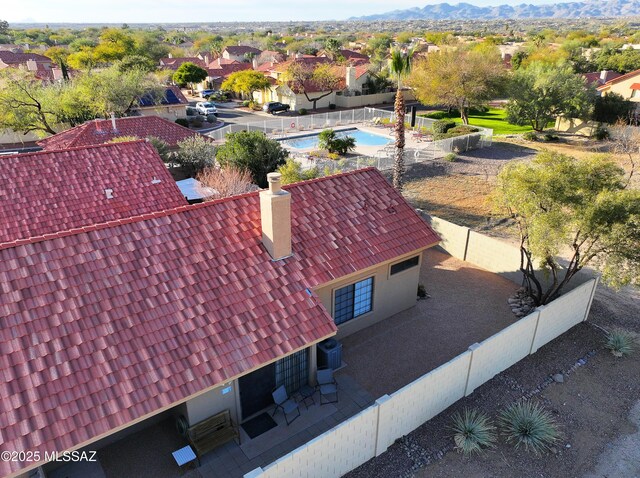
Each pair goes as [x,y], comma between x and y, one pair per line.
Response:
[362,139]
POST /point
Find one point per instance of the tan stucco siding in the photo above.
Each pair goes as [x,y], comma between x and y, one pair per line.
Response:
[391,293]
[623,88]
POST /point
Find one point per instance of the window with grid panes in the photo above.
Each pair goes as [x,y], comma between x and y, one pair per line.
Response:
[353,300]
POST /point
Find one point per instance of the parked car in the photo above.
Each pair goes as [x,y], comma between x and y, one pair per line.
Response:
[274,106]
[206,93]
[206,108]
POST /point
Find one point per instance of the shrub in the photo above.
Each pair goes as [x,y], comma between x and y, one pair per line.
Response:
[196,121]
[451,157]
[550,137]
[529,424]
[620,342]
[332,106]
[601,133]
[183,122]
[191,111]
[530,136]
[443,126]
[328,140]
[463,129]
[472,431]
[211,118]
[302,111]
[246,103]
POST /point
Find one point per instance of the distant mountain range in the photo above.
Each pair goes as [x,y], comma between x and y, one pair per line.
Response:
[462,11]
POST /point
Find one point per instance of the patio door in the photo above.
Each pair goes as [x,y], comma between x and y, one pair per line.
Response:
[255,390]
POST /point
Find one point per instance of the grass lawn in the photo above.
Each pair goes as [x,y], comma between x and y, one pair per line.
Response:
[494,118]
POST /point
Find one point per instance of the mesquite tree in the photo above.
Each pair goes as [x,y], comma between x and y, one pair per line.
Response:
[581,210]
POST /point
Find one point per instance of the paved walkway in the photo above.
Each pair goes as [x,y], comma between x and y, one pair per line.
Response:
[467,305]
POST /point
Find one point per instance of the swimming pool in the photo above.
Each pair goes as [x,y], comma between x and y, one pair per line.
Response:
[362,139]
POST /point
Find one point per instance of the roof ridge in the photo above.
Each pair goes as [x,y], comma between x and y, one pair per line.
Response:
[621,78]
[165,212]
[73,148]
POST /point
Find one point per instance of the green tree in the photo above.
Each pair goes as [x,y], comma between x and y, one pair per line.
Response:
[246,82]
[4,27]
[400,67]
[189,73]
[195,154]
[139,62]
[612,108]
[292,172]
[330,141]
[322,77]
[540,92]
[583,206]
[459,79]
[252,151]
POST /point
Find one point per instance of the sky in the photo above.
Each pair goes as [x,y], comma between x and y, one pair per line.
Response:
[172,11]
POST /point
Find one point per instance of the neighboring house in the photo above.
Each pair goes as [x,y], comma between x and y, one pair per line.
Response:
[47,192]
[628,86]
[240,53]
[599,78]
[195,310]
[171,105]
[352,57]
[270,56]
[102,131]
[353,80]
[220,69]
[41,66]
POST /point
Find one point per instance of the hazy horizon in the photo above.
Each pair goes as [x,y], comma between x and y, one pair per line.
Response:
[203,11]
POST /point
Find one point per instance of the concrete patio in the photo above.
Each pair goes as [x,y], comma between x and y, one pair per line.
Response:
[466,305]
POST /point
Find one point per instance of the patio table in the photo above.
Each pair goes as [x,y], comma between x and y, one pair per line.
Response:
[184,456]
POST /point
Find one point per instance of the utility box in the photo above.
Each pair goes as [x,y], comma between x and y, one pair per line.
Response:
[330,354]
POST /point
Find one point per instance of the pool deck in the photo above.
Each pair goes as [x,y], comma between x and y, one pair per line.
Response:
[410,141]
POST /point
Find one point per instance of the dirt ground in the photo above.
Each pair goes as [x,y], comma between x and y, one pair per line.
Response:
[596,408]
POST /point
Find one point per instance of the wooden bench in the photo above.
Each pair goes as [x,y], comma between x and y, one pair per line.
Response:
[211,433]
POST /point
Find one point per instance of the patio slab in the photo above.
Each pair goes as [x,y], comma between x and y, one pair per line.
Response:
[467,305]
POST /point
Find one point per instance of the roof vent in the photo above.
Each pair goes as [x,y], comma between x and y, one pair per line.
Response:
[156,180]
[108,193]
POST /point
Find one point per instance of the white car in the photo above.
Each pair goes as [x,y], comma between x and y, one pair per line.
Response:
[206,108]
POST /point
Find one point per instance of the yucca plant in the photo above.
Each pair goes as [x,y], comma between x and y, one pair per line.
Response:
[620,342]
[472,431]
[529,424]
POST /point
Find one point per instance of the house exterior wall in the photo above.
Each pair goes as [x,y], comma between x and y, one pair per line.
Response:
[167,112]
[214,401]
[391,294]
[624,88]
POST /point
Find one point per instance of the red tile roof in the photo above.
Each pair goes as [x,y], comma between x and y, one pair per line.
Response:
[240,50]
[101,131]
[635,86]
[175,63]
[619,79]
[111,324]
[596,77]
[221,67]
[46,192]
[11,58]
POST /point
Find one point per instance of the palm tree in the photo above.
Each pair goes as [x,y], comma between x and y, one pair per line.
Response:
[400,66]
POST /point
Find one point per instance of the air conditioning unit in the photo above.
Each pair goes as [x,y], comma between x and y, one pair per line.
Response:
[330,354]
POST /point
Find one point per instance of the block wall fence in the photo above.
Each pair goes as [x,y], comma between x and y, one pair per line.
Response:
[372,431]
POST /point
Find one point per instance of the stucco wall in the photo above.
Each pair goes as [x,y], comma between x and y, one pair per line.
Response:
[11,137]
[624,88]
[391,294]
[576,126]
[366,100]
[212,402]
[333,453]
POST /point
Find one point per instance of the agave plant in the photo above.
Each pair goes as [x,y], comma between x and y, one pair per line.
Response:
[620,342]
[529,424]
[472,431]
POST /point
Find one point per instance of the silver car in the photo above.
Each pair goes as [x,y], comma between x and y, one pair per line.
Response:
[206,108]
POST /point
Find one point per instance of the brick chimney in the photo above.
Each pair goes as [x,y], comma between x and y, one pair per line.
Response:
[275,216]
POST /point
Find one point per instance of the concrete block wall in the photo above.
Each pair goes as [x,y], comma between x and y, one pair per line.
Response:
[454,237]
[501,351]
[421,400]
[331,454]
[563,313]
[494,255]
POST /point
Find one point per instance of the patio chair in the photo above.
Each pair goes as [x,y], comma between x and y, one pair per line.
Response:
[287,405]
[327,385]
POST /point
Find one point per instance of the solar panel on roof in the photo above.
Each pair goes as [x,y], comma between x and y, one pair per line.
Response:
[170,98]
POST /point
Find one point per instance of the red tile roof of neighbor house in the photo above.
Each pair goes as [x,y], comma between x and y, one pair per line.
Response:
[11,58]
[619,79]
[596,77]
[635,86]
[46,192]
[111,324]
[239,50]
[221,68]
[101,131]
[175,63]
